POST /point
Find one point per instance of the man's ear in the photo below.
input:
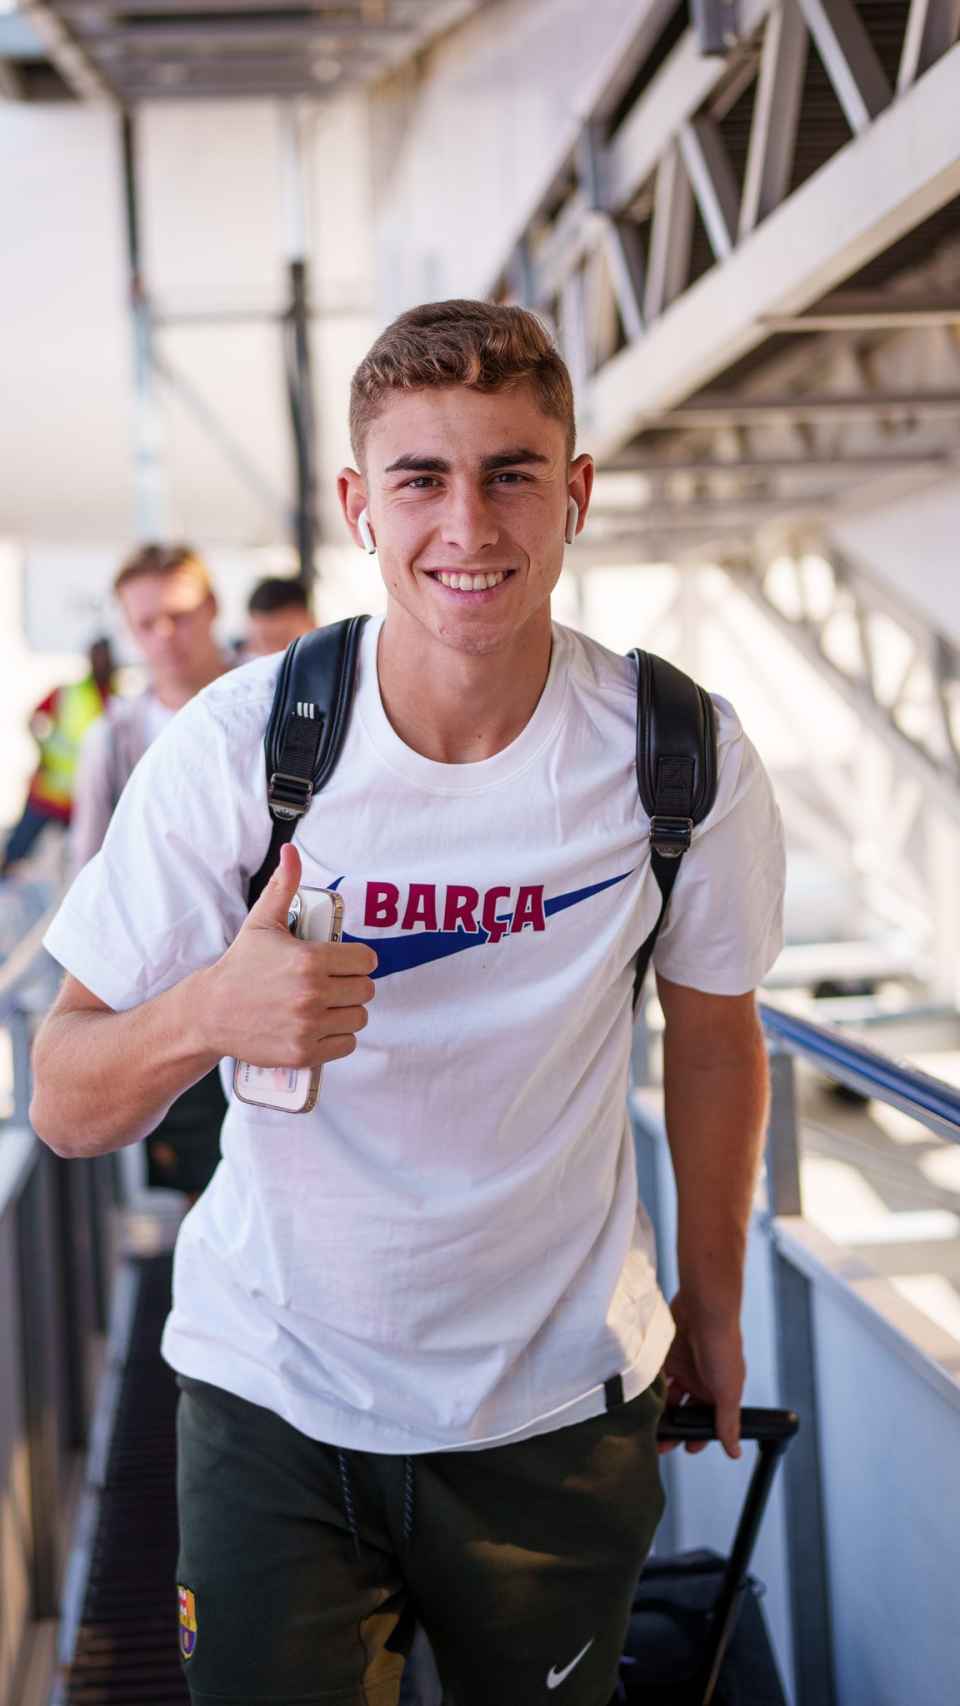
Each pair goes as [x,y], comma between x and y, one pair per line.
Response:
[352,492]
[580,483]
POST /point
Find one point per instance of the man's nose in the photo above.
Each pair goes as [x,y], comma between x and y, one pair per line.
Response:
[469,522]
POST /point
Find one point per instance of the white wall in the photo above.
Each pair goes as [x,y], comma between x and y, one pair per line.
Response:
[212,214]
[465,142]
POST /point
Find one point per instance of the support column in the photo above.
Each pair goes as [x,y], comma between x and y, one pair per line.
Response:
[297,344]
[151,490]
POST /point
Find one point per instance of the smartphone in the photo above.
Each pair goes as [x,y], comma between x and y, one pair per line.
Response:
[316,915]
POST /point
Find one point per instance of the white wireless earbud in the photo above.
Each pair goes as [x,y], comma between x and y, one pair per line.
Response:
[573,521]
[366,533]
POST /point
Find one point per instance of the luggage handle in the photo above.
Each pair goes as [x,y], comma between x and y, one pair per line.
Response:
[773,1430]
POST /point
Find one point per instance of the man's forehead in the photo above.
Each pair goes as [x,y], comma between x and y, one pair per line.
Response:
[454,424]
[183,590]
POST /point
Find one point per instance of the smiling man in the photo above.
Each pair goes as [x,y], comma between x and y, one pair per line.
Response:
[418,1332]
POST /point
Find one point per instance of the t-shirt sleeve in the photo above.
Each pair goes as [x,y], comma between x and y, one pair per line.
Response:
[166,894]
[724,925]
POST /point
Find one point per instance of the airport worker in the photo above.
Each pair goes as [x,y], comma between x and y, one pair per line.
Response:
[58,725]
[418,1332]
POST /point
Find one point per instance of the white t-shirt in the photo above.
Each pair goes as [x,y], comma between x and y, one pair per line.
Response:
[449,1251]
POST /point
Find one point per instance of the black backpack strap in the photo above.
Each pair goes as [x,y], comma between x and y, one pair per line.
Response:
[306,729]
[676,772]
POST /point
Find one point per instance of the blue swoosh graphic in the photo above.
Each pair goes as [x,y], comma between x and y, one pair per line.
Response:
[419,947]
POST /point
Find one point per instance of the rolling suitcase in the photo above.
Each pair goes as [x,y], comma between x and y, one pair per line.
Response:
[697,1635]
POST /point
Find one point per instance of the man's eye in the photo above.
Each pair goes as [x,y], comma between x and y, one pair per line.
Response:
[420,481]
[511,476]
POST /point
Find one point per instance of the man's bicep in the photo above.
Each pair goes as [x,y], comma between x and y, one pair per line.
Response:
[709,1028]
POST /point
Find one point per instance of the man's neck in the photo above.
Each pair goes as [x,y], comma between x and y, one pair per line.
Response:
[174,691]
[452,706]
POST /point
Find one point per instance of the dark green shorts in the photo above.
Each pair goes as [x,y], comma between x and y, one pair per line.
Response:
[303,1570]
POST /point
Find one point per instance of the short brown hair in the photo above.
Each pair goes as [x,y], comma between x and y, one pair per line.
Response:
[162,560]
[483,345]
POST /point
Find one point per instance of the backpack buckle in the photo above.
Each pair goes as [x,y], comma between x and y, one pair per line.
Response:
[288,796]
[670,836]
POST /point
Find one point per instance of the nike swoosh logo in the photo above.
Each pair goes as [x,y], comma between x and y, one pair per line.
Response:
[419,947]
[555,1677]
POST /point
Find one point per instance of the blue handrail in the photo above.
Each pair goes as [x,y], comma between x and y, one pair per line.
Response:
[905,1086]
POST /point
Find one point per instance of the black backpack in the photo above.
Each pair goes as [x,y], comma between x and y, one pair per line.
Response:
[676,750]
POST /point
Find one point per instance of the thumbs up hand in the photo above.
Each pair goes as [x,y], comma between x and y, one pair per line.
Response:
[275,1001]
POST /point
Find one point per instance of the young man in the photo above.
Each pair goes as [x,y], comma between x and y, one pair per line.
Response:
[278,611]
[168,603]
[418,1330]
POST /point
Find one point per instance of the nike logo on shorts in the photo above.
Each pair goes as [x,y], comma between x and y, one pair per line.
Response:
[555,1677]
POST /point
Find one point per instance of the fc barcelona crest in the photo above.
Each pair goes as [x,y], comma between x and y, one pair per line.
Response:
[188,1621]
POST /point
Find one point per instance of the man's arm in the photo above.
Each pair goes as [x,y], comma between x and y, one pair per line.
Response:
[716,1094]
[104,1079]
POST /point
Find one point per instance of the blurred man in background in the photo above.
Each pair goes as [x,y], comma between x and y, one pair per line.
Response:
[166,596]
[169,606]
[58,725]
[278,612]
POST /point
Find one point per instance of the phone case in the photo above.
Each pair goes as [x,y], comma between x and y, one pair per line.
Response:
[316,915]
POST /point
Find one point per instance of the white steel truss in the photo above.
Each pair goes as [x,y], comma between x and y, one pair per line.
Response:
[901,677]
[663,260]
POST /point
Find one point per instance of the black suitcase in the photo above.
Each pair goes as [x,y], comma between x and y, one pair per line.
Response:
[697,1636]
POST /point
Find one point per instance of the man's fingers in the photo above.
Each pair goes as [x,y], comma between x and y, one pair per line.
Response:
[274,903]
[350,991]
[728,1428]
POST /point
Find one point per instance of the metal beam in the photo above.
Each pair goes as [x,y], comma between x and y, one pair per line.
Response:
[921,762]
[932,27]
[679,90]
[865,310]
[849,59]
[671,235]
[721,410]
[714,184]
[857,205]
[68,54]
[839,465]
[181,30]
[625,257]
[776,115]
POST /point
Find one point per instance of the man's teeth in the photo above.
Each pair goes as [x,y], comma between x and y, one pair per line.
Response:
[471,583]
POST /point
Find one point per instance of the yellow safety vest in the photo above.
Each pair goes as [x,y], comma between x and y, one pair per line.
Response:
[76,706]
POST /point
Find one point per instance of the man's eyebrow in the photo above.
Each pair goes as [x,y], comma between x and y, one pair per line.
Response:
[415,462]
[412,462]
[511,458]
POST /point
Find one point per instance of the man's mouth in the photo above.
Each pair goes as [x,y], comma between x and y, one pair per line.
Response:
[459,580]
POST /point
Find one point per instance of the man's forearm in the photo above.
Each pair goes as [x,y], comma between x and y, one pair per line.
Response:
[716,1113]
[105,1079]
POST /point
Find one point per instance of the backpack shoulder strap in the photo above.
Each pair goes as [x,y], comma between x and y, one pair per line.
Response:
[306,728]
[676,772]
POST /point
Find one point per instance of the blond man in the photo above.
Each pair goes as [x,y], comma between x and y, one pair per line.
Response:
[168,604]
[418,1332]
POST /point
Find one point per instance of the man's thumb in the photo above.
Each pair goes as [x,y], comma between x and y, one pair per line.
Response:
[274,903]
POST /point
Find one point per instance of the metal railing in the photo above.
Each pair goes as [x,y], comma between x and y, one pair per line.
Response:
[809,1274]
[56,1263]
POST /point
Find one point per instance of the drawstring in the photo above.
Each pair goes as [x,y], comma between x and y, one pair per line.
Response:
[408,1489]
[349,1509]
[346,1492]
